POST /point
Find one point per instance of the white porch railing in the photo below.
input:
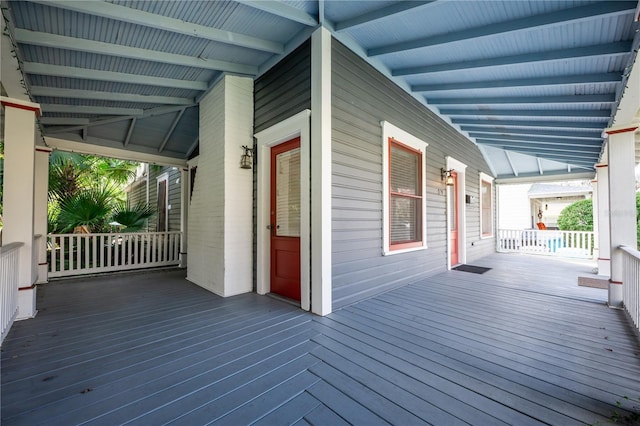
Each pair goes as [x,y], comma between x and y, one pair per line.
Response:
[631,286]
[556,243]
[9,264]
[77,254]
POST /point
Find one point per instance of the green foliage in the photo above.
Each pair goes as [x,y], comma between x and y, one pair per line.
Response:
[577,216]
[133,219]
[87,191]
[90,208]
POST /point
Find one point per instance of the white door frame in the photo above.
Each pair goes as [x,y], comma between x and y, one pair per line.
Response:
[296,126]
[164,177]
[460,168]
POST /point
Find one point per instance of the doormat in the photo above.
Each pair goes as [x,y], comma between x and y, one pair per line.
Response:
[472,269]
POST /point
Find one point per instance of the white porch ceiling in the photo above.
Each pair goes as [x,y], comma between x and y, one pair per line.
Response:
[533,83]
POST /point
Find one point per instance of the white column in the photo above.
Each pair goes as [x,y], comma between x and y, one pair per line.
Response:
[41,195]
[18,201]
[321,284]
[220,216]
[604,241]
[184,215]
[622,202]
[596,227]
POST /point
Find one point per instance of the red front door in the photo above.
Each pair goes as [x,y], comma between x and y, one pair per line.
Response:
[285,219]
[453,220]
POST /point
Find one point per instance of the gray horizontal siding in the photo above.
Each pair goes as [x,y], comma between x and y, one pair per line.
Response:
[361,98]
[174,194]
[284,90]
[278,94]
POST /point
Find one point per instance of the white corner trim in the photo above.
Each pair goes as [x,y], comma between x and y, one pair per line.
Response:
[321,215]
[390,131]
[292,127]
[487,178]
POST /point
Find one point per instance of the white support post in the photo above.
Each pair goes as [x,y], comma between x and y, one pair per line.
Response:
[596,227]
[184,215]
[18,201]
[41,191]
[622,203]
[604,240]
[321,284]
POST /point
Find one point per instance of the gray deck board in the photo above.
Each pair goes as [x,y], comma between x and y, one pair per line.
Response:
[521,344]
[290,412]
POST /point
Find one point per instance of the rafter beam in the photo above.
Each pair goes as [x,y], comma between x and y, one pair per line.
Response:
[377,14]
[127,139]
[597,136]
[504,100]
[63,121]
[54,41]
[550,175]
[107,148]
[541,139]
[170,131]
[118,77]
[565,158]
[529,123]
[600,113]
[610,49]
[104,121]
[108,96]
[193,146]
[80,109]
[605,8]
[178,26]
[513,167]
[571,80]
[282,10]
[583,155]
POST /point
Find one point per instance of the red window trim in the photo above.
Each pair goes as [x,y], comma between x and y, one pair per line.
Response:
[406,244]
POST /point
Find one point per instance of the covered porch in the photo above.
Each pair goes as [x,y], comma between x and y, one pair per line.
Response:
[519,344]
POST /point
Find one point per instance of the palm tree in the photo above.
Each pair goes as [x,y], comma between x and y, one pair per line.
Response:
[86,193]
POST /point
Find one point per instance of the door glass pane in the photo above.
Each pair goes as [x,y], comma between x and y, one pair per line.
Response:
[454,205]
[288,193]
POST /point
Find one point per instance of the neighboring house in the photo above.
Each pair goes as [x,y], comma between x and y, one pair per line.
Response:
[523,206]
[159,187]
[548,200]
[378,214]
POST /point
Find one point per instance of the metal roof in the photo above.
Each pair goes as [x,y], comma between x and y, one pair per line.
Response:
[533,83]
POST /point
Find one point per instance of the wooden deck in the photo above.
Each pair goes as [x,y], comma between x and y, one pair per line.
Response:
[521,344]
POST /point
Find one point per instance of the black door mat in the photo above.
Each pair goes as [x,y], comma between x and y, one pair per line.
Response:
[472,269]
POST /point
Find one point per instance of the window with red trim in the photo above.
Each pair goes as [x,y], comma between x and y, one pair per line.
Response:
[405,196]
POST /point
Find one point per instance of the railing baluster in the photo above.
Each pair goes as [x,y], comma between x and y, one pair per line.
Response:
[75,254]
[9,267]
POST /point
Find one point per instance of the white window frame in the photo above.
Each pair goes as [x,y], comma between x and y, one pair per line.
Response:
[390,131]
[488,179]
[164,177]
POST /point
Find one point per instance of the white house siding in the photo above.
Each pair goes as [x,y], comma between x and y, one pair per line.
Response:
[362,98]
[514,207]
[220,240]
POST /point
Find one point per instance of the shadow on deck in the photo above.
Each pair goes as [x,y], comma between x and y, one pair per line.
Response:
[521,344]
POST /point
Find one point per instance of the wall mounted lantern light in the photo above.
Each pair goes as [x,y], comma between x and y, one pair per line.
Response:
[245,160]
[447,177]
